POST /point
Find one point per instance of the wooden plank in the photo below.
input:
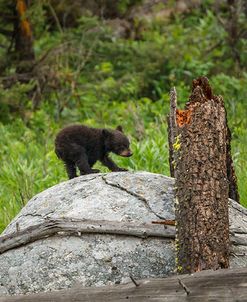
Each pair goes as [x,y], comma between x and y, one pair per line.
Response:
[219,286]
[77,227]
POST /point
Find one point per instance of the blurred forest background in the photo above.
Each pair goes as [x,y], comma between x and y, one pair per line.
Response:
[104,63]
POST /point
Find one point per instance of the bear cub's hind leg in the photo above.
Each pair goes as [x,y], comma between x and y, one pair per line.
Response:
[70,168]
[83,165]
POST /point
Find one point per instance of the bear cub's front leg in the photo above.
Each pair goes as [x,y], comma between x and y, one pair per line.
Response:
[109,163]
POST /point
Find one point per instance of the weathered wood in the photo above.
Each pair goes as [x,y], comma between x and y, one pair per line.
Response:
[201,181]
[76,227]
[239,239]
[220,286]
[172,128]
[231,176]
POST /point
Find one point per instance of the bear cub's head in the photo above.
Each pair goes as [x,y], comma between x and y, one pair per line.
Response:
[116,142]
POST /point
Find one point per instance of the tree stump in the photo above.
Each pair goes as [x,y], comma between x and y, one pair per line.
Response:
[201,160]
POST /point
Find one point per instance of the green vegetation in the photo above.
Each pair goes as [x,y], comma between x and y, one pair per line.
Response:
[91,75]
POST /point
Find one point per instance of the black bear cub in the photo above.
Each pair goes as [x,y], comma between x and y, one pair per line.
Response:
[81,146]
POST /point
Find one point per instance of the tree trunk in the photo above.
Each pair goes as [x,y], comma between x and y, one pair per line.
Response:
[23,38]
[201,160]
[173,138]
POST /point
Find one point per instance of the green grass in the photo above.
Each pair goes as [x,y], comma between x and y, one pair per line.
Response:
[29,164]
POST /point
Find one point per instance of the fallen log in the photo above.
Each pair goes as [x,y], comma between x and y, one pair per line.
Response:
[78,227]
[223,285]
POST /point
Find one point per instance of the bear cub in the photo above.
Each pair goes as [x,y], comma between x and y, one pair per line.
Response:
[81,146]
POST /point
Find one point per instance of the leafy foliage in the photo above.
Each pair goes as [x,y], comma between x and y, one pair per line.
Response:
[92,75]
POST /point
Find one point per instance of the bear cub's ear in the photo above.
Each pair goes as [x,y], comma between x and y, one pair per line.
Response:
[119,128]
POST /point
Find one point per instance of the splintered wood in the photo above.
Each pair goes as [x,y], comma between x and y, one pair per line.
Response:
[200,157]
[183,117]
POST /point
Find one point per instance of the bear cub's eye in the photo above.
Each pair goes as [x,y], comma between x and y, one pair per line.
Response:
[124,147]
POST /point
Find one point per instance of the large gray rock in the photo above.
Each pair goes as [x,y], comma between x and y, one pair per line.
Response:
[91,259]
[62,261]
[140,197]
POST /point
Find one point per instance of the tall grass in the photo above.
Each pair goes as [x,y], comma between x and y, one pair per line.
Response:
[29,164]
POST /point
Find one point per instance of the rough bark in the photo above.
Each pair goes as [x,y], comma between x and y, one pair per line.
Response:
[202,182]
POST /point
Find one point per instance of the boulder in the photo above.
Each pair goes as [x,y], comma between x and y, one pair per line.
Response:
[96,230]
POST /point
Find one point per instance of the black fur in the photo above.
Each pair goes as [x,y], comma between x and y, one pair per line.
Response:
[81,146]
